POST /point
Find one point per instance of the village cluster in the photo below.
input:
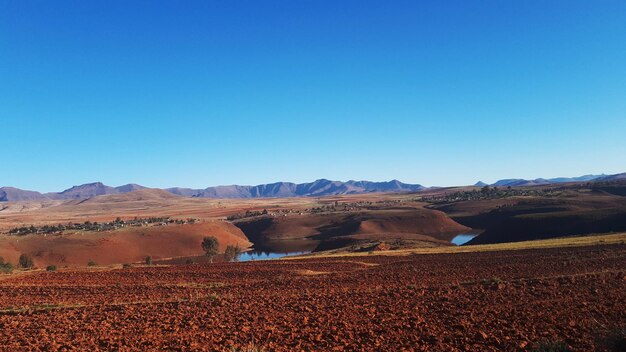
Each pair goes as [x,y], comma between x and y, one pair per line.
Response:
[98,226]
[328,208]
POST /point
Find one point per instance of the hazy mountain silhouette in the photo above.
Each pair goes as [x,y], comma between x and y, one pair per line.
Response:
[87,190]
[615,177]
[12,194]
[129,188]
[543,181]
[318,188]
[279,189]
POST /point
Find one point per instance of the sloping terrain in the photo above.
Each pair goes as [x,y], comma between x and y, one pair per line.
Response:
[124,245]
[142,203]
[12,194]
[579,209]
[339,229]
[121,246]
[537,225]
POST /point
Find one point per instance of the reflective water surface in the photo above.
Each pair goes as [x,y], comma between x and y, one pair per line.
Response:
[252,255]
[463,238]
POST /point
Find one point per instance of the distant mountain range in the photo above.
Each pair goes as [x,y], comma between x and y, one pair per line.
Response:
[12,194]
[542,181]
[287,189]
[316,188]
[279,189]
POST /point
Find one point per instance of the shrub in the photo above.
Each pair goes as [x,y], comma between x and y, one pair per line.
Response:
[25,261]
[189,261]
[126,266]
[148,260]
[232,253]
[492,281]
[210,246]
[91,263]
[5,268]
[51,268]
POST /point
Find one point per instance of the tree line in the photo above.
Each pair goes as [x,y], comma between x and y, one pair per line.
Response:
[210,246]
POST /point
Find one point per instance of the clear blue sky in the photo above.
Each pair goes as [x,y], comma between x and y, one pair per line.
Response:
[202,93]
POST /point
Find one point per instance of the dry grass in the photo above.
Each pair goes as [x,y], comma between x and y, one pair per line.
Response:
[311,272]
[577,241]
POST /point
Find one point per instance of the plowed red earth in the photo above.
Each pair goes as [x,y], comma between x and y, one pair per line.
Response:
[489,301]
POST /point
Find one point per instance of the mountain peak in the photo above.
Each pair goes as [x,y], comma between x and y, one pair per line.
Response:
[129,188]
[86,190]
[12,194]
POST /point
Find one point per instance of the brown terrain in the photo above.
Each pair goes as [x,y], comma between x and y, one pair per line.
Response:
[128,245]
[330,230]
[124,246]
[483,301]
[557,211]
[290,224]
[350,223]
[383,275]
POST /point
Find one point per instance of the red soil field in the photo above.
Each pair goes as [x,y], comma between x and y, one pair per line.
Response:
[482,301]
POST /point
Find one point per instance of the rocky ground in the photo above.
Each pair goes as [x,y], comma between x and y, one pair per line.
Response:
[489,301]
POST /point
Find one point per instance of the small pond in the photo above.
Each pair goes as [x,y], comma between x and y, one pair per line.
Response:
[463,238]
[252,255]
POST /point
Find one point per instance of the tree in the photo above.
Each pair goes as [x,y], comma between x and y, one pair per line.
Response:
[232,253]
[25,261]
[209,246]
[5,268]
[148,260]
